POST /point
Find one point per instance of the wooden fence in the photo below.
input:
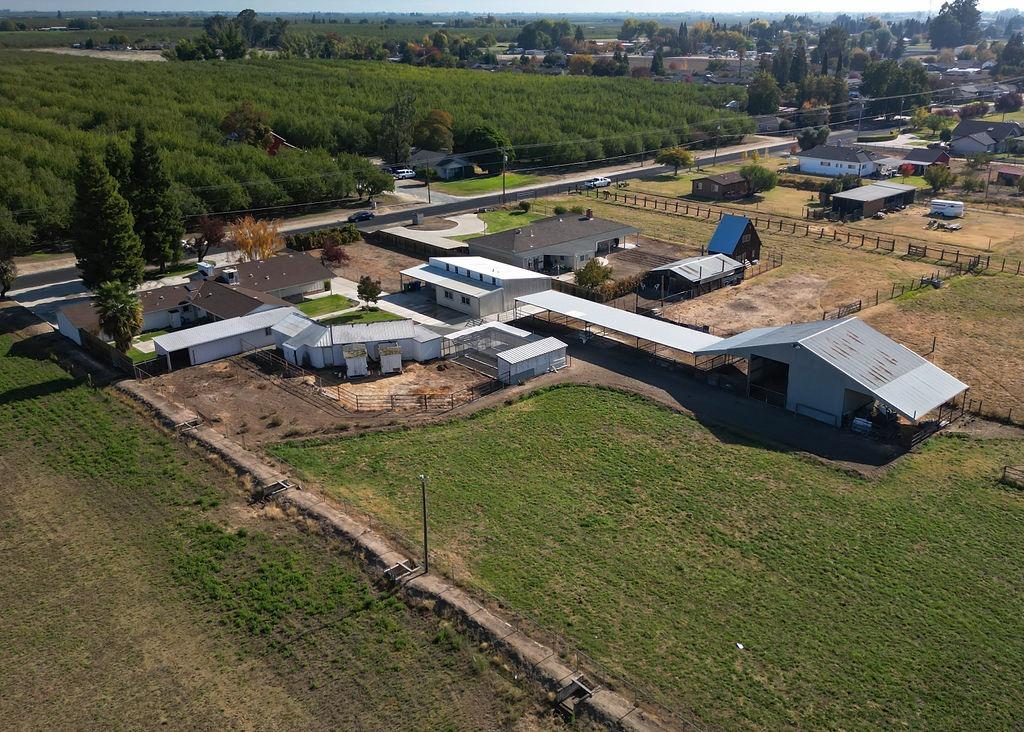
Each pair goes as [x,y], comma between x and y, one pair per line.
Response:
[902,246]
[1013,476]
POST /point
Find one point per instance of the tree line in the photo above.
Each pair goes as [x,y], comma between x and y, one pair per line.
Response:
[54,107]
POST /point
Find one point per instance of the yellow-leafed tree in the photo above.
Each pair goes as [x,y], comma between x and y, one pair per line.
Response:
[256,238]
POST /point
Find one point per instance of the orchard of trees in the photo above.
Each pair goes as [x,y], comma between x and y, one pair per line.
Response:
[209,123]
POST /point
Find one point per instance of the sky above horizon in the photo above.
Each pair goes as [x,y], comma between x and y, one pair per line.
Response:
[495,6]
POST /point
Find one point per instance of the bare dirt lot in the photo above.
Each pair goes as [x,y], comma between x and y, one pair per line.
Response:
[815,274]
[1001,234]
[109,55]
[443,377]
[377,262]
[253,409]
[758,303]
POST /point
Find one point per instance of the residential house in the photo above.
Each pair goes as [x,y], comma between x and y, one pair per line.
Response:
[837,160]
[557,244]
[983,136]
[287,276]
[445,166]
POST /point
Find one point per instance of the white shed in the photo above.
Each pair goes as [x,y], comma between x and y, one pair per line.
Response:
[390,355]
[355,360]
[531,359]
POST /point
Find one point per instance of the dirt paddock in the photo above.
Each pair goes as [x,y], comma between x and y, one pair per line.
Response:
[377,262]
[436,378]
[248,406]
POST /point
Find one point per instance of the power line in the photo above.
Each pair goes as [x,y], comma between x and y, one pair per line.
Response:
[640,133]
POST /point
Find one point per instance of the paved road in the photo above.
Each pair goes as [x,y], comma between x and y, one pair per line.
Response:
[495,199]
[46,290]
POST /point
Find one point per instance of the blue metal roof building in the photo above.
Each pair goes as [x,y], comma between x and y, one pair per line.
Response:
[736,237]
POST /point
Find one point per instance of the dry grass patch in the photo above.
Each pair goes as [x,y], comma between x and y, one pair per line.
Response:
[979,326]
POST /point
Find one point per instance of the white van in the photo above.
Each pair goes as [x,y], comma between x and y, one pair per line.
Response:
[949,209]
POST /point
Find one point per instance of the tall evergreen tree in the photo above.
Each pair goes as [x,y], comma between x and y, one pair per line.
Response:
[106,245]
[658,63]
[394,136]
[157,217]
[798,67]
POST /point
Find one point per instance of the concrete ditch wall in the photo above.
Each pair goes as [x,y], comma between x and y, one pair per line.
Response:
[540,661]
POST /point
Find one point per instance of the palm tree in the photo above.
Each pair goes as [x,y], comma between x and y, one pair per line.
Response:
[120,312]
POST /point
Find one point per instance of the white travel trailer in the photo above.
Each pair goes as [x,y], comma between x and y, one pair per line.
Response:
[949,209]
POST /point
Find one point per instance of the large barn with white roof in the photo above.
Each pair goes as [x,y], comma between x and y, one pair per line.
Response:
[832,369]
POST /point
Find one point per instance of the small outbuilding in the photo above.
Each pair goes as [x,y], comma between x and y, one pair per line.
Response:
[692,276]
[1008,175]
[304,342]
[504,352]
[737,238]
[556,244]
[355,360]
[721,187]
[390,355]
[865,201]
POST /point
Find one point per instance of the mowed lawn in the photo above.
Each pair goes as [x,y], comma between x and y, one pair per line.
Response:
[656,545]
[486,184]
[139,591]
[503,220]
[324,305]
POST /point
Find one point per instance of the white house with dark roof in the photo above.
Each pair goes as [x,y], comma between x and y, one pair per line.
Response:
[288,276]
[837,160]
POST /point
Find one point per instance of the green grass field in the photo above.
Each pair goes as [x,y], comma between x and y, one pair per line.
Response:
[486,184]
[361,316]
[324,305]
[502,220]
[139,585]
[656,545]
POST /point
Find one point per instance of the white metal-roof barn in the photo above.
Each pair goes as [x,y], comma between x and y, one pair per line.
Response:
[304,342]
[473,285]
[221,339]
[831,369]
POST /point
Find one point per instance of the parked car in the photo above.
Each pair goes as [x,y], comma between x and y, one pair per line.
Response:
[403,173]
[360,216]
[597,183]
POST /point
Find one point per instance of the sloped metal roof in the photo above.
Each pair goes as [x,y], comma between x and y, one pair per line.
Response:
[661,332]
[221,329]
[727,234]
[534,349]
[457,283]
[894,374]
[701,269]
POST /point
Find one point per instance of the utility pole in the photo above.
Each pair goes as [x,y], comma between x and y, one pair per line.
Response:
[423,491]
[504,165]
[718,131]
